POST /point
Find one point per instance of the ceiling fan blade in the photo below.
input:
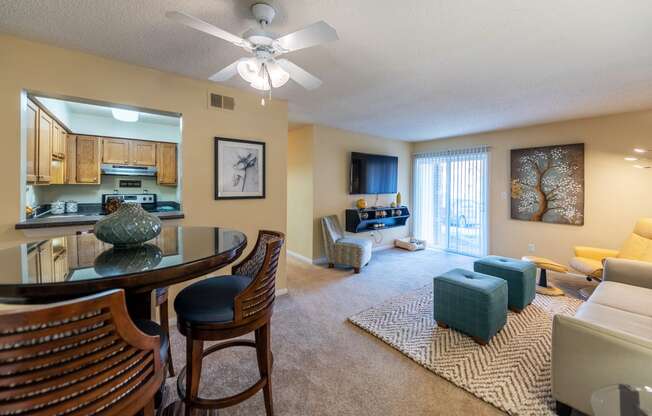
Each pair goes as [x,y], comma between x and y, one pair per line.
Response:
[226,73]
[315,34]
[202,26]
[300,75]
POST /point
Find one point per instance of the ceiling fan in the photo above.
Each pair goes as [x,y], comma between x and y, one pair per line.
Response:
[263,70]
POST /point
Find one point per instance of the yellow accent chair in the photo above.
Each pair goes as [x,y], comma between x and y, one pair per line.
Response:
[638,246]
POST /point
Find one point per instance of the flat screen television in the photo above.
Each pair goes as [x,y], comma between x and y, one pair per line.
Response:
[373,174]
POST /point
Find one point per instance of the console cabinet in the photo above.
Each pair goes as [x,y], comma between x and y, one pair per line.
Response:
[377,218]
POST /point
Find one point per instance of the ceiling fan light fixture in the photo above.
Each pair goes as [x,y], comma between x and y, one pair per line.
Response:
[260,84]
[248,69]
[278,75]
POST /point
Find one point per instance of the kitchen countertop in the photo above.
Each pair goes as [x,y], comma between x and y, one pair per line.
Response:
[66,220]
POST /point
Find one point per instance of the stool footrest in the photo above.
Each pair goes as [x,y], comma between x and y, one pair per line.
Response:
[204,403]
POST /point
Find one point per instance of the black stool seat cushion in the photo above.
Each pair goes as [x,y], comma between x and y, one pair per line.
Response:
[153,329]
[210,300]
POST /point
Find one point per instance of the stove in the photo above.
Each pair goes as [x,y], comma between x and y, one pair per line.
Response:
[147,201]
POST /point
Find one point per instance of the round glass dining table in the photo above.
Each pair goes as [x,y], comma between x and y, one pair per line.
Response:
[72,266]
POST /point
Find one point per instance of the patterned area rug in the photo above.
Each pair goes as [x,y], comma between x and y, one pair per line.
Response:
[512,373]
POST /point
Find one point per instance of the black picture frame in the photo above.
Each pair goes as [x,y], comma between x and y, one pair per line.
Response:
[220,194]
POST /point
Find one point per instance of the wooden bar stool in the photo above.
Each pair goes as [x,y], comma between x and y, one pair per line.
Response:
[164,322]
[78,357]
[226,307]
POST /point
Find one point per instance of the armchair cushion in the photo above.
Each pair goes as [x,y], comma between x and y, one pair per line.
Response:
[636,248]
[587,266]
[354,252]
[594,253]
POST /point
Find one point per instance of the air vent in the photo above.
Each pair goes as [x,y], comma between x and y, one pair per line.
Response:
[222,101]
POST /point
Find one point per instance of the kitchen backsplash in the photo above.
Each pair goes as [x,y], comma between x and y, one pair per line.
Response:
[93,193]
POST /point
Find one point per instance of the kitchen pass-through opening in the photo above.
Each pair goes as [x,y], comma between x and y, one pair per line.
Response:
[80,152]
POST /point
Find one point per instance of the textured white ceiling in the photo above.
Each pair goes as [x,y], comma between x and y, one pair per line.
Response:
[414,69]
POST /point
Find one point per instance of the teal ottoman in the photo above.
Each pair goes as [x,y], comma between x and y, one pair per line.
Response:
[470,302]
[520,275]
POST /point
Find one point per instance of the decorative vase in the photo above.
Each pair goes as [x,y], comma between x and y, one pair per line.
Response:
[129,226]
[398,199]
[361,203]
[119,261]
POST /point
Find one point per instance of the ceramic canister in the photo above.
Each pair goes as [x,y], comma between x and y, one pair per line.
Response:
[57,207]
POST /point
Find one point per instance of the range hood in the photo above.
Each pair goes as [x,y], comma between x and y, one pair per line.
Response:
[124,170]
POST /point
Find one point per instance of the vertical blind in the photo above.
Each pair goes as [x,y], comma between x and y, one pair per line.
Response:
[450,200]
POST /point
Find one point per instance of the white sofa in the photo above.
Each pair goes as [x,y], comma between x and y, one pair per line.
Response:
[608,341]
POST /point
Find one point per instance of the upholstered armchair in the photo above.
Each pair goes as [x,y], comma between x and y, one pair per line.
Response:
[349,251]
[589,260]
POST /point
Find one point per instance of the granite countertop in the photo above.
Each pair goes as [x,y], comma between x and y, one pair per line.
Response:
[66,220]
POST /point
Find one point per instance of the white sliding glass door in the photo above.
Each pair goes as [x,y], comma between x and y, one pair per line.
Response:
[450,200]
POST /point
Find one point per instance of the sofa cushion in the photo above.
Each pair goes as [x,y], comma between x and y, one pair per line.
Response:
[635,247]
[628,298]
[616,319]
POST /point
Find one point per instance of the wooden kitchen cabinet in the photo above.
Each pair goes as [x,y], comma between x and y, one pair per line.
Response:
[44,144]
[58,171]
[33,266]
[166,163]
[142,153]
[58,141]
[168,241]
[46,270]
[58,168]
[88,247]
[71,159]
[88,160]
[32,139]
[115,151]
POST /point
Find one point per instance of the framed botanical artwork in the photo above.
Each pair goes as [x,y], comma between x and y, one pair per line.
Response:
[239,169]
[548,184]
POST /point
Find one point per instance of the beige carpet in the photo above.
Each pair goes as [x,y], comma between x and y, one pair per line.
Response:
[512,372]
[323,365]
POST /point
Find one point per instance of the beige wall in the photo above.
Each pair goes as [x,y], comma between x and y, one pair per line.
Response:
[38,67]
[300,191]
[616,193]
[331,149]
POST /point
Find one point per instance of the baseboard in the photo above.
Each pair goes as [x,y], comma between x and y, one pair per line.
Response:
[299,257]
[281,292]
[320,260]
[324,260]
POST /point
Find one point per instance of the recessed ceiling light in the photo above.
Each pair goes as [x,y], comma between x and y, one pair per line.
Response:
[124,115]
[639,150]
[631,159]
[642,167]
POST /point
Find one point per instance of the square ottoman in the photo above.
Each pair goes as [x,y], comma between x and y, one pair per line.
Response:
[470,302]
[520,275]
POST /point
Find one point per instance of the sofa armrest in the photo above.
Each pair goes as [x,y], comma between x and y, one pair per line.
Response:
[594,253]
[631,272]
[587,357]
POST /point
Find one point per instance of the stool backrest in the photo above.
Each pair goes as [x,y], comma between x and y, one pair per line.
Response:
[257,299]
[78,357]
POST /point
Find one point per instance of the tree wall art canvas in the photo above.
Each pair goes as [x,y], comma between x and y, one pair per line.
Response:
[239,169]
[548,184]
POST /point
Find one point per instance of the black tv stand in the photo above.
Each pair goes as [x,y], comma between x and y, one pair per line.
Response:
[375,218]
